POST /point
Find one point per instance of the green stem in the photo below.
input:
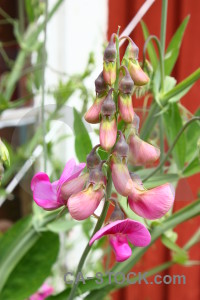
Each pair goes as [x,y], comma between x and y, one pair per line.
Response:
[21,57]
[163,26]
[162,145]
[172,147]
[97,227]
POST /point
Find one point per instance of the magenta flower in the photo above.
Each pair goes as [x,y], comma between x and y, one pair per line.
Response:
[48,195]
[120,233]
[44,292]
[151,204]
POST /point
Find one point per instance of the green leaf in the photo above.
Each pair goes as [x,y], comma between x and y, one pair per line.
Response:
[29,10]
[61,225]
[173,123]
[179,88]
[192,135]
[192,168]
[83,143]
[150,48]
[18,237]
[174,47]
[33,269]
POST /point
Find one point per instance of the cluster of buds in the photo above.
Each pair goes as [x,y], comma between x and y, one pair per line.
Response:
[82,193]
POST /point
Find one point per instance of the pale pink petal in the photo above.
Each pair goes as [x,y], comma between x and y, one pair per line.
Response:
[93,114]
[140,152]
[44,193]
[108,133]
[121,177]
[120,246]
[83,204]
[135,231]
[73,186]
[154,203]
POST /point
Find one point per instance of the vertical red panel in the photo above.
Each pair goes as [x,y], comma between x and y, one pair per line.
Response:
[120,13]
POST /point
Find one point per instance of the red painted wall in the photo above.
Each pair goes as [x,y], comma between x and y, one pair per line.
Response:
[120,13]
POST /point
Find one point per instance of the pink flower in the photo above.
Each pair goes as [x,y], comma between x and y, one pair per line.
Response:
[44,292]
[93,114]
[120,233]
[120,176]
[151,204]
[48,195]
[140,152]
[83,205]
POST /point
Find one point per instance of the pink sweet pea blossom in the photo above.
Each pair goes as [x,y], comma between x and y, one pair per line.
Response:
[120,233]
[44,292]
[48,195]
[153,203]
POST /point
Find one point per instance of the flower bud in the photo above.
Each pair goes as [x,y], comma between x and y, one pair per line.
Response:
[141,152]
[100,84]
[117,214]
[110,52]
[137,74]
[126,107]
[108,107]
[120,176]
[132,50]
[121,148]
[93,158]
[93,114]
[109,64]
[97,176]
[4,154]
[126,84]
[108,132]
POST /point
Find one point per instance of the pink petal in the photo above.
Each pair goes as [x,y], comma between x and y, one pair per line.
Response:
[108,133]
[135,231]
[70,171]
[140,152]
[121,247]
[44,192]
[121,177]
[83,204]
[126,107]
[92,115]
[73,186]
[154,203]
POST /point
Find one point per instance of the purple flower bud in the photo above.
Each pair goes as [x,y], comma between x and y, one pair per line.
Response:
[110,52]
[126,84]
[93,158]
[108,107]
[100,84]
[121,148]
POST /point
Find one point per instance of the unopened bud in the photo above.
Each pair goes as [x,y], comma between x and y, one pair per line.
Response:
[93,158]
[108,107]
[100,84]
[4,154]
[126,84]
[121,148]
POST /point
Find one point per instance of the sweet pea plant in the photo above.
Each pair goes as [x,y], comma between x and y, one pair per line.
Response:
[122,172]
